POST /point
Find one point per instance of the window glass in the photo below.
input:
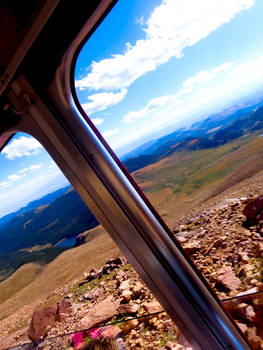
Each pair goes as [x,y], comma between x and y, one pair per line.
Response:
[63,281]
[176,90]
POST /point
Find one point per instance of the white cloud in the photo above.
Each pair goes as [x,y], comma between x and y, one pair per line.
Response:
[97,121]
[23,146]
[151,106]
[14,177]
[110,133]
[202,77]
[4,184]
[22,171]
[188,86]
[36,166]
[172,26]
[203,92]
[10,180]
[103,100]
[31,168]
[140,20]
[20,195]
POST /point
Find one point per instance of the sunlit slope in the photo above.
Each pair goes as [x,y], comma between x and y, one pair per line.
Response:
[19,279]
[66,267]
[184,180]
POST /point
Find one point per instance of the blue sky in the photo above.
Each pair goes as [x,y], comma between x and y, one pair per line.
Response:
[27,173]
[150,65]
[157,63]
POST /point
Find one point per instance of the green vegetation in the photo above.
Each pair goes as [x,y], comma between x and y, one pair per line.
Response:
[178,183]
[10,262]
[65,217]
[78,291]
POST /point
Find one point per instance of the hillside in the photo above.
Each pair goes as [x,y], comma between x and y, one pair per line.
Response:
[212,131]
[184,180]
[19,279]
[66,216]
[65,268]
[227,252]
[187,144]
[10,262]
[47,199]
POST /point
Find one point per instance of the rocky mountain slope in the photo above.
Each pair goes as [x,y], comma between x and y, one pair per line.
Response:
[226,248]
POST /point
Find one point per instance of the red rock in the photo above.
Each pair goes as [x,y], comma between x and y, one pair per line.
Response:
[111,332]
[226,277]
[65,306]
[64,310]
[191,248]
[243,327]
[137,290]
[100,313]
[253,207]
[41,319]
[128,308]
[152,307]
[250,313]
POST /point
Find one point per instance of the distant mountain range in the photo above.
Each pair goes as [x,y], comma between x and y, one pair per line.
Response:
[47,199]
[213,131]
[62,214]
[58,215]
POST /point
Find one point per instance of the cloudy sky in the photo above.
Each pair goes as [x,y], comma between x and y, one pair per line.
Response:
[156,63]
[151,64]
[27,173]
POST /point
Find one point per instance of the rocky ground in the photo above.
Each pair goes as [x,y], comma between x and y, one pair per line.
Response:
[114,295]
[226,246]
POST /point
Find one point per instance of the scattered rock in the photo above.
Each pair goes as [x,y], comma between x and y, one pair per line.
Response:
[152,307]
[252,337]
[253,210]
[64,309]
[250,313]
[126,295]
[41,319]
[226,278]
[127,326]
[137,290]
[125,285]
[243,327]
[93,294]
[100,313]
[128,308]
[192,247]
[111,332]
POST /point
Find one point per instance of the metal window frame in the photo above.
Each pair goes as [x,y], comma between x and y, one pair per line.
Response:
[56,119]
